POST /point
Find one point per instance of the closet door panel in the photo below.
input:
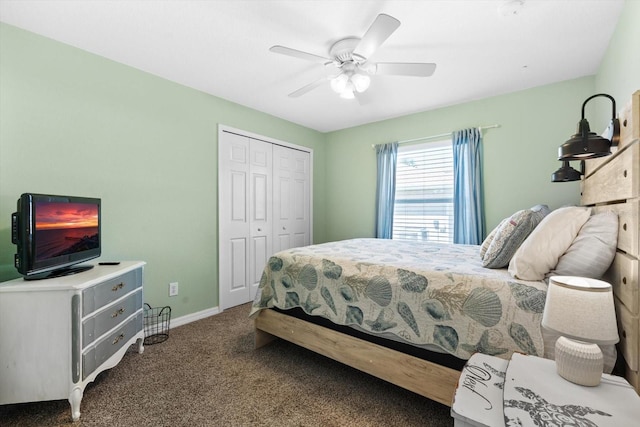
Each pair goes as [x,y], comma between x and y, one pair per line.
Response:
[238,252]
[264,207]
[238,202]
[261,207]
[260,199]
[282,198]
[291,198]
[301,223]
[233,186]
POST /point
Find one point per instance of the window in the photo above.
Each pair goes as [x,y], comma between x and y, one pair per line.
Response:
[423,207]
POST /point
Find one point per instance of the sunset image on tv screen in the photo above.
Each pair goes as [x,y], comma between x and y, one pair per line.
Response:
[65,228]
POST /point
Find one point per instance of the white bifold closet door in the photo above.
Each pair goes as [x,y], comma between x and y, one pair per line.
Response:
[264,192]
[291,198]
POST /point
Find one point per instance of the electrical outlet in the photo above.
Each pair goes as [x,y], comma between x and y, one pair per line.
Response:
[173,289]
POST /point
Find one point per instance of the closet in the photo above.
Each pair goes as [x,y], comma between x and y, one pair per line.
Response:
[264,206]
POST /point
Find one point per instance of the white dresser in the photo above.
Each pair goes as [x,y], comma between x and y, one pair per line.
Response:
[57,335]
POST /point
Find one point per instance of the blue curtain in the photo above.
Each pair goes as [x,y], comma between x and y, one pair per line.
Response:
[386,154]
[468,217]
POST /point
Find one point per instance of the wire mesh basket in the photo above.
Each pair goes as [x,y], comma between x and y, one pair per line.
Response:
[156,324]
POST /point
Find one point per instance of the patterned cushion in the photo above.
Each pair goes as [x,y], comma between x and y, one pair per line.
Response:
[593,249]
[541,211]
[540,252]
[489,239]
[510,235]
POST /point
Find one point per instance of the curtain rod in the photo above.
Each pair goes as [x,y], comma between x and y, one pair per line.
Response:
[442,135]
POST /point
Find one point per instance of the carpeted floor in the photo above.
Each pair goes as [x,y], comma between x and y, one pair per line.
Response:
[208,374]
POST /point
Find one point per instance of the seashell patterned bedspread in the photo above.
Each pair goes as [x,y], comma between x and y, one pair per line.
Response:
[421,293]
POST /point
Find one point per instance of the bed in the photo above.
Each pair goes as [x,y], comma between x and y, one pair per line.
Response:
[439,298]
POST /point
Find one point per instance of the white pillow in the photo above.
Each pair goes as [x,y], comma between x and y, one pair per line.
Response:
[593,249]
[540,252]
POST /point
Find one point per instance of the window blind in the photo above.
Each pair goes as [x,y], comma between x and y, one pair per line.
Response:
[423,208]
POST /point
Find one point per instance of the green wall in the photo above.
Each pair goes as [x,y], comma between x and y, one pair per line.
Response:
[619,73]
[79,124]
[519,156]
[76,123]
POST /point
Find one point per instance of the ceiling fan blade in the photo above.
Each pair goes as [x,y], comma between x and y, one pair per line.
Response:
[378,32]
[405,69]
[299,54]
[307,88]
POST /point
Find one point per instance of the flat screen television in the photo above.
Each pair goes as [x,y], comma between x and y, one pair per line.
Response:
[54,233]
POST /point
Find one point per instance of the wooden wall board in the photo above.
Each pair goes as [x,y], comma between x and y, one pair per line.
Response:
[629,118]
[628,216]
[615,180]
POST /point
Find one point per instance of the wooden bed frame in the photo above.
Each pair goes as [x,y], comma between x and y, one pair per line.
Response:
[610,183]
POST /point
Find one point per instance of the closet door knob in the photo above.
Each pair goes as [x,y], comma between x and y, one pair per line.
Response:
[259,229]
[284,228]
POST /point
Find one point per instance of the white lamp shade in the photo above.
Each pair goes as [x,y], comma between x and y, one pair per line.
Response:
[582,309]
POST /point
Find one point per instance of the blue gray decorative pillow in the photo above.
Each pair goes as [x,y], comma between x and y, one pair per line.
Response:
[487,242]
[510,234]
[541,211]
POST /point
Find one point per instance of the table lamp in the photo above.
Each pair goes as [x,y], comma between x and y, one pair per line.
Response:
[581,311]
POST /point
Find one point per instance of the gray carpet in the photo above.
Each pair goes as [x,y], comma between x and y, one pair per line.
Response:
[208,374]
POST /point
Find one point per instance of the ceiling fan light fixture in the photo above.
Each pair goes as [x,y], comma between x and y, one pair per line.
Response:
[339,83]
[361,82]
[348,57]
[348,82]
[347,94]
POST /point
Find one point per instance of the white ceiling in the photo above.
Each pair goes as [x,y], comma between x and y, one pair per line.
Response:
[221,47]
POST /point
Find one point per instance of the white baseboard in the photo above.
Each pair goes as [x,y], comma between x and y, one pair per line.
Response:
[188,318]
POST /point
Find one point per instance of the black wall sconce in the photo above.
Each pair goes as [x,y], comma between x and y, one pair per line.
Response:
[566,173]
[586,144]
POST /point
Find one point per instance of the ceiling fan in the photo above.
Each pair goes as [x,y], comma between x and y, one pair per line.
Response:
[347,66]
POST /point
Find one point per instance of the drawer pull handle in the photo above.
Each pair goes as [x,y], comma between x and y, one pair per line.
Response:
[117,287]
[118,338]
[118,312]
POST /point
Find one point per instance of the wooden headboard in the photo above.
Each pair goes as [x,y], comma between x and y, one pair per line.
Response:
[612,183]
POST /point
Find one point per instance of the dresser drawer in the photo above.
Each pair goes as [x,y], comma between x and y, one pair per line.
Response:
[100,295]
[108,345]
[110,317]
